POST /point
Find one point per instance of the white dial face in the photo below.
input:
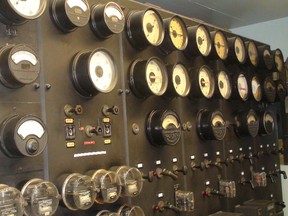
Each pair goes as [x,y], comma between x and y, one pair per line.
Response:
[102,71]
[170,120]
[218,121]
[279,60]
[221,45]
[153,27]
[156,77]
[178,33]
[203,41]
[240,51]
[256,89]
[253,53]
[181,80]
[242,87]
[206,82]
[28,8]
[251,119]
[224,85]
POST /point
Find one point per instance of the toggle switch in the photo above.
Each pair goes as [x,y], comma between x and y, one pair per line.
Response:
[70,110]
[106,110]
[183,170]
[90,131]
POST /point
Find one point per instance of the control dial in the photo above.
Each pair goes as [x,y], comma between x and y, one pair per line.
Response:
[163,127]
[107,19]
[211,125]
[42,198]
[145,28]
[68,15]
[148,77]
[15,12]
[94,72]
[247,123]
[199,41]
[23,136]
[19,65]
[267,123]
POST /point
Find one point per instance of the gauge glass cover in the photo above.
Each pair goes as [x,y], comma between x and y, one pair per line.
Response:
[256,89]
[224,85]
[181,80]
[240,50]
[242,87]
[203,40]
[253,53]
[28,8]
[178,33]
[221,45]
[206,82]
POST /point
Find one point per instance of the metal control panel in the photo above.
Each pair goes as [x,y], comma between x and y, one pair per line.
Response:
[122,108]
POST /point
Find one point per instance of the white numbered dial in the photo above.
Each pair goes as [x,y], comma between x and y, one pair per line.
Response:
[221,45]
[178,33]
[206,82]
[153,27]
[242,86]
[102,71]
[28,8]
[224,85]
[253,53]
[240,50]
[256,89]
[181,80]
[203,40]
[156,77]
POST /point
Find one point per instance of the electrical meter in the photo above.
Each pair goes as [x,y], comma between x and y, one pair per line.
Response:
[176,35]
[94,72]
[259,179]
[163,127]
[224,84]
[126,210]
[11,201]
[107,19]
[266,123]
[15,12]
[68,15]
[281,90]
[278,60]
[199,41]
[266,60]
[42,198]
[78,192]
[220,46]
[269,90]
[108,186]
[211,125]
[23,136]
[148,77]
[145,28]
[184,201]
[241,87]
[256,88]
[106,213]
[247,123]
[253,55]
[131,180]
[227,188]
[237,50]
[202,82]
[19,65]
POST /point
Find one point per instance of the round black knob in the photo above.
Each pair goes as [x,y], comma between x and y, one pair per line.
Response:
[32,146]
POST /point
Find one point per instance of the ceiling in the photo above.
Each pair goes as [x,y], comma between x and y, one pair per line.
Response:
[226,13]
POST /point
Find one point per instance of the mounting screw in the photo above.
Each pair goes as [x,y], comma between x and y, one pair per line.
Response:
[135,128]
[47,86]
[36,85]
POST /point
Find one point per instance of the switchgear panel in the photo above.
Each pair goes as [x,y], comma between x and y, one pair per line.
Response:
[122,108]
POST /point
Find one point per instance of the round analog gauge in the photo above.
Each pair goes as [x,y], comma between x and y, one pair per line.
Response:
[69,15]
[281,90]
[163,127]
[224,85]
[266,123]
[180,80]
[266,58]
[256,88]
[278,59]
[203,40]
[94,72]
[17,12]
[247,123]
[240,50]
[221,45]
[253,53]
[242,87]
[176,35]
[148,77]
[211,125]
[206,81]
[269,90]
[107,19]
[151,28]
[131,210]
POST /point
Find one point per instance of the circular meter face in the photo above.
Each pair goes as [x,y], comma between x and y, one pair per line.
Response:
[178,33]
[242,87]
[203,40]
[256,89]
[181,81]
[78,192]
[106,213]
[29,9]
[153,27]
[221,45]
[130,211]
[206,82]
[12,201]
[170,127]
[247,123]
[278,59]
[94,72]
[156,77]
[42,198]
[224,85]
[240,50]
[269,90]
[253,53]
[267,123]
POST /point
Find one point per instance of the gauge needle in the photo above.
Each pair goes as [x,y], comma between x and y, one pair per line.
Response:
[243,89]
